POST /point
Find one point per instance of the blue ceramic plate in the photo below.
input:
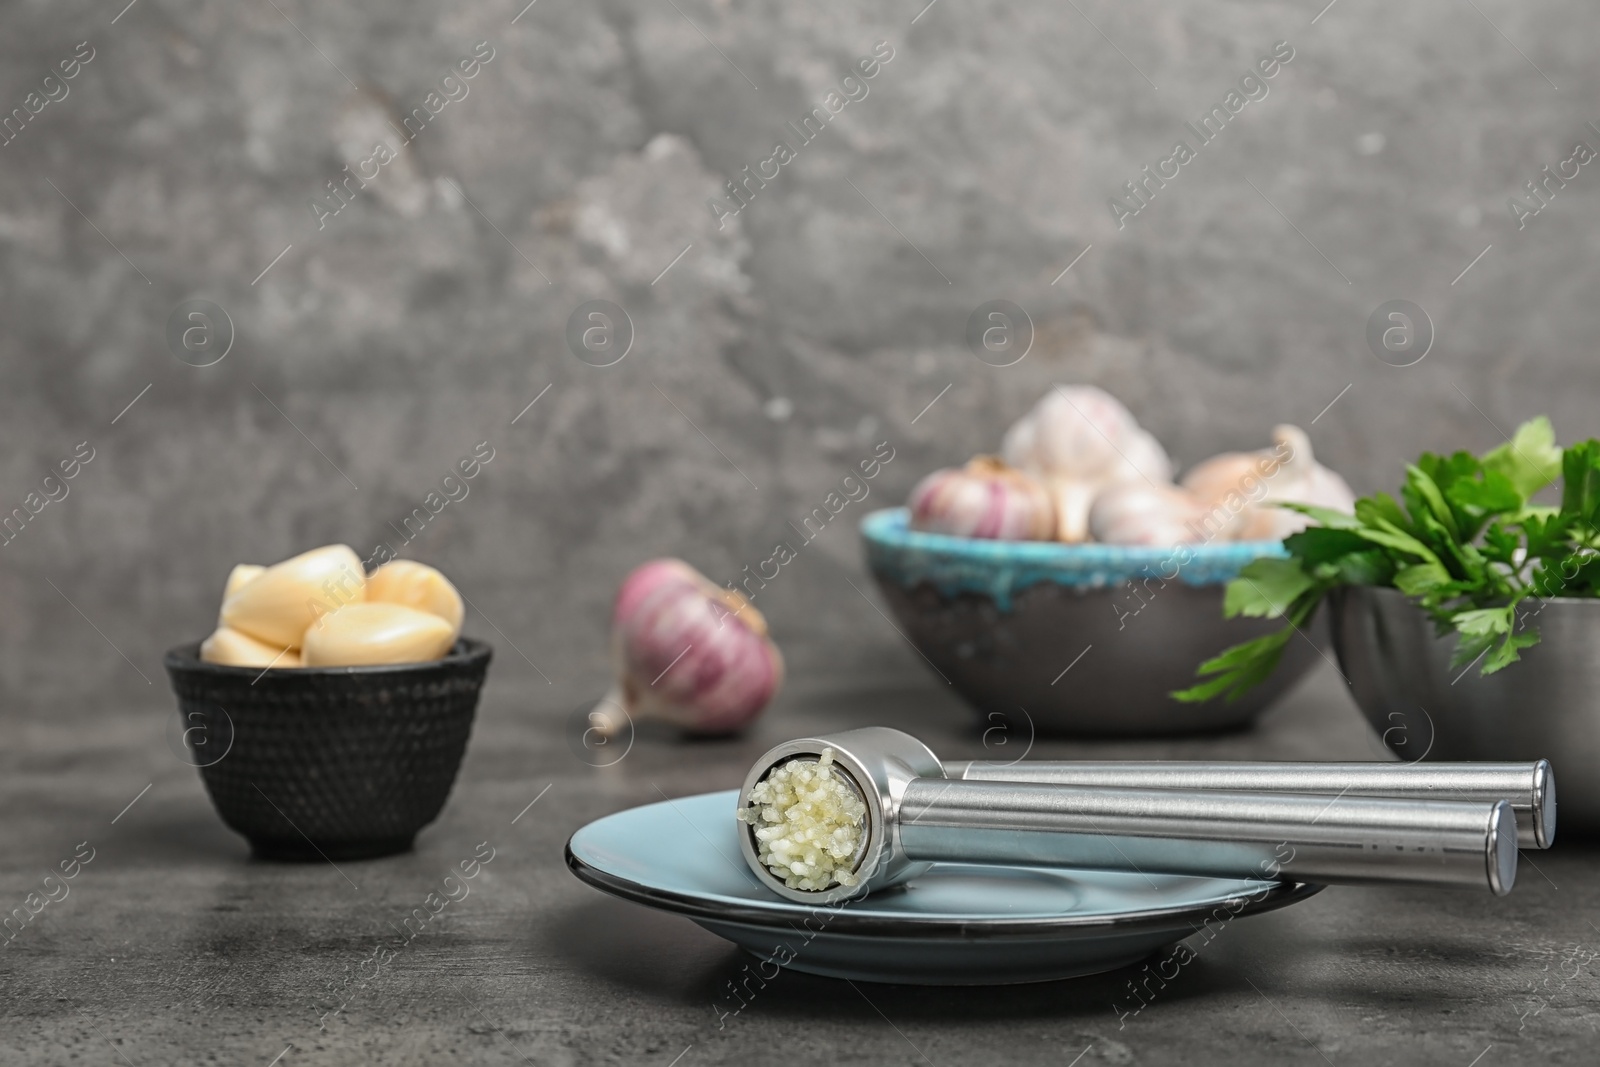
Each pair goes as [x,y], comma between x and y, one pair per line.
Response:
[955,925]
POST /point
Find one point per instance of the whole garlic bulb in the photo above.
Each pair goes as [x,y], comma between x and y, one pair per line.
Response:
[1078,440]
[986,498]
[1238,488]
[1138,514]
[688,652]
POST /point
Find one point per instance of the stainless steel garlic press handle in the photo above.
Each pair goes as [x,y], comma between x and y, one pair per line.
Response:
[1529,787]
[1331,840]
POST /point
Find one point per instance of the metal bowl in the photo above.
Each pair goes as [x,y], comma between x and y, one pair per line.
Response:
[1082,639]
[1547,706]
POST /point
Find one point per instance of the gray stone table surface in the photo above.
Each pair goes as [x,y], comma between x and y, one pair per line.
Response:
[175,947]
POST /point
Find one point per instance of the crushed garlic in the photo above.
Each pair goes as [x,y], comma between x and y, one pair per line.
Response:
[808,822]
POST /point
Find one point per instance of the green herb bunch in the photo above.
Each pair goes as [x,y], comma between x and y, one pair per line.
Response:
[1465,542]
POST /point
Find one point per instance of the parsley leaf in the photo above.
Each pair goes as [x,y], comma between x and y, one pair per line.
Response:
[1463,541]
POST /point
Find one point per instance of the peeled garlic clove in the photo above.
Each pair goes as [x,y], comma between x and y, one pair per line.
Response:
[986,498]
[277,605]
[240,574]
[1135,514]
[237,649]
[366,634]
[688,652]
[1078,440]
[417,585]
[1239,488]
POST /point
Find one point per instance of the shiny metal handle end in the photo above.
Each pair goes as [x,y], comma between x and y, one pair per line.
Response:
[1543,815]
[1500,848]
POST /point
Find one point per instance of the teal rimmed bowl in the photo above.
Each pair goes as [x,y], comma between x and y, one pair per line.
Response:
[1084,639]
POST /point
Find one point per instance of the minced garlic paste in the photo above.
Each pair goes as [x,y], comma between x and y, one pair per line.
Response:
[808,823]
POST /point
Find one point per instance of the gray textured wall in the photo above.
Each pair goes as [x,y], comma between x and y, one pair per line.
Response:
[422,318]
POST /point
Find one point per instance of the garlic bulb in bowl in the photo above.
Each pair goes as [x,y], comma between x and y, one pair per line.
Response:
[1078,440]
[1139,514]
[1239,488]
[987,499]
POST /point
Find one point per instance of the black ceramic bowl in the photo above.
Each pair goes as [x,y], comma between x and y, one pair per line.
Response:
[329,762]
